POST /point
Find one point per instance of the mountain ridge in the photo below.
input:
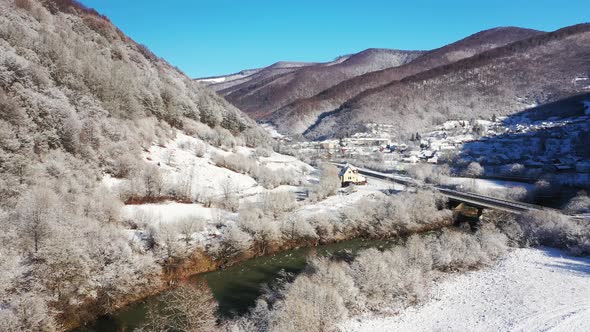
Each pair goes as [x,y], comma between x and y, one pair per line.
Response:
[569,57]
[269,88]
[307,110]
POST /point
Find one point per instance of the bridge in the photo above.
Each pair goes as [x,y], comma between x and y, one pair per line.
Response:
[470,199]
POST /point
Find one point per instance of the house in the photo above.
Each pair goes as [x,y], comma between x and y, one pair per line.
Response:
[411,159]
[350,174]
[433,160]
[329,145]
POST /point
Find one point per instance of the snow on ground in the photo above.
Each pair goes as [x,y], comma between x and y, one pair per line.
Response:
[112,183]
[180,164]
[171,212]
[213,80]
[271,130]
[342,199]
[487,184]
[278,161]
[529,290]
[252,195]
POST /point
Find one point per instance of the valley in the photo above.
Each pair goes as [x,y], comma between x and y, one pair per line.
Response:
[379,189]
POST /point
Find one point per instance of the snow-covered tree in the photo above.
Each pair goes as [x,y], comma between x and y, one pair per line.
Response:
[187,308]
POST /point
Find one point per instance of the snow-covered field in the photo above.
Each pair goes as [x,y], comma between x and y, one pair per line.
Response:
[485,184]
[170,212]
[182,167]
[334,204]
[529,290]
[271,130]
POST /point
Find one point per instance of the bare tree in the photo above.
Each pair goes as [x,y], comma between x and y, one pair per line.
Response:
[200,149]
[474,169]
[229,198]
[36,211]
[235,241]
[153,181]
[188,227]
[187,308]
[275,203]
[169,157]
[185,185]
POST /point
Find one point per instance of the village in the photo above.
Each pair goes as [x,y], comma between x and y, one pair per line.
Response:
[516,147]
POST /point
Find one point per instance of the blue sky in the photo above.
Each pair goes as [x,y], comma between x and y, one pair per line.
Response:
[213,37]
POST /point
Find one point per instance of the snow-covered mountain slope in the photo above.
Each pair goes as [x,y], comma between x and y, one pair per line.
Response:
[296,117]
[224,82]
[203,197]
[529,290]
[192,164]
[275,86]
[503,80]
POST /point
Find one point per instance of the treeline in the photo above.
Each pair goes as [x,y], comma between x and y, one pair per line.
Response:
[332,290]
[391,280]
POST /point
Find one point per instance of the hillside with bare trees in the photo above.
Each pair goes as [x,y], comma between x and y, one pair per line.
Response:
[501,81]
[260,94]
[296,117]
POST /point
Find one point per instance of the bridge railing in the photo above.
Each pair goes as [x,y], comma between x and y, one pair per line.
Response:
[472,198]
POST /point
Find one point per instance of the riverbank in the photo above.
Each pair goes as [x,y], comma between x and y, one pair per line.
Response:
[200,263]
[375,217]
[528,290]
[194,266]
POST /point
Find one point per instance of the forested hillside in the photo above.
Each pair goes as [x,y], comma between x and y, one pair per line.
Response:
[80,100]
[296,117]
[278,85]
[501,81]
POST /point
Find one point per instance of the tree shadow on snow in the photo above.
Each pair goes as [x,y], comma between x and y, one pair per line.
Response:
[580,265]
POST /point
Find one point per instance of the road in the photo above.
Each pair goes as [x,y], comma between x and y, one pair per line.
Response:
[471,199]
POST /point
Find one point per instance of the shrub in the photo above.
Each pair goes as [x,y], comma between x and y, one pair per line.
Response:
[236,162]
[516,169]
[578,204]
[328,185]
[234,242]
[264,232]
[24,4]
[268,178]
[200,149]
[551,228]
[276,203]
[124,166]
[473,170]
[187,308]
[517,193]
[309,306]
[263,152]
[395,278]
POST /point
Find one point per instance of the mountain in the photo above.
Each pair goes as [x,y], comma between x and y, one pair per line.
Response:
[296,117]
[225,82]
[84,108]
[503,80]
[268,89]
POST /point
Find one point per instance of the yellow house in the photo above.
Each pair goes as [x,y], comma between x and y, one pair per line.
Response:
[350,174]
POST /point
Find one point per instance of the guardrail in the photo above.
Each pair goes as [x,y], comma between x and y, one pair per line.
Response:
[474,199]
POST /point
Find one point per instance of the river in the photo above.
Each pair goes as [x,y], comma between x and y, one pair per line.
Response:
[236,288]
